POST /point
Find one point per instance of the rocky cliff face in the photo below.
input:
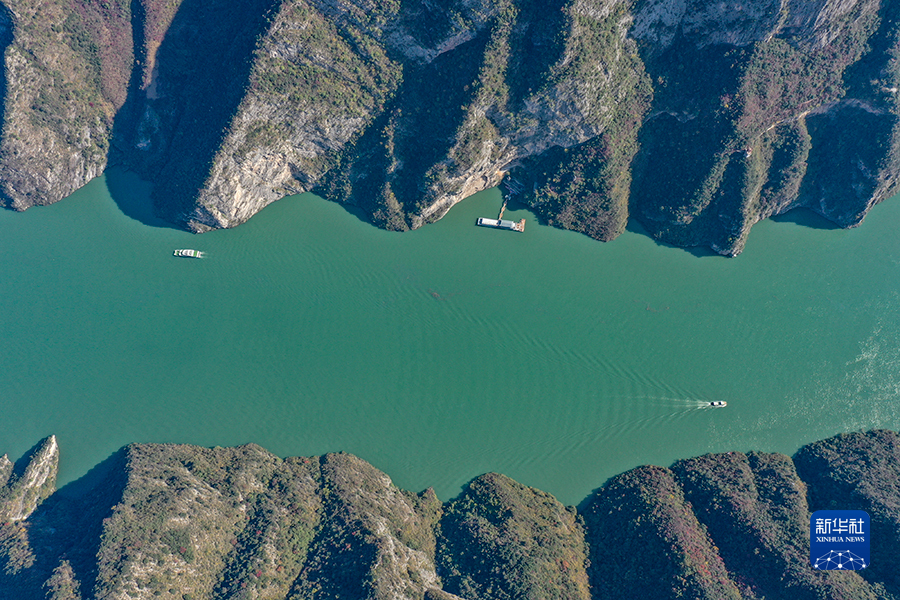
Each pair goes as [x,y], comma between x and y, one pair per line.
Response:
[167,521]
[793,107]
[65,76]
[698,118]
[22,490]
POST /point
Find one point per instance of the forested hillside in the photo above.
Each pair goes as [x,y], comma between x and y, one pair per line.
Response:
[183,522]
[697,119]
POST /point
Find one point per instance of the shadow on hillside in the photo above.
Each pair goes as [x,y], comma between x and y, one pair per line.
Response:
[20,465]
[67,526]
[202,68]
[806,218]
[6,38]
[128,191]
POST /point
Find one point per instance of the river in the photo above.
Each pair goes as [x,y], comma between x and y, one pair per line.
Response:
[442,353]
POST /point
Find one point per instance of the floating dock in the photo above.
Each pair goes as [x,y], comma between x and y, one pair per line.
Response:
[501,223]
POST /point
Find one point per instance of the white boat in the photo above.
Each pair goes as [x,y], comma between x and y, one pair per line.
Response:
[501,224]
[188,253]
[718,404]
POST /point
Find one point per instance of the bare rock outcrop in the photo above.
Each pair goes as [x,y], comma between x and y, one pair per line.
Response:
[22,492]
[65,77]
[698,118]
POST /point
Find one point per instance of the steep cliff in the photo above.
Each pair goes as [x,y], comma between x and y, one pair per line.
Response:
[23,489]
[64,79]
[793,105]
[167,521]
[698,118]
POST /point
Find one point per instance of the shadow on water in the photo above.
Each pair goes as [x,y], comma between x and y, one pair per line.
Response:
[634,226]
[798,216]
[806,218]
[323,191]
[513,203]
[20,465]
[583,506]
[132,195]
[355,211]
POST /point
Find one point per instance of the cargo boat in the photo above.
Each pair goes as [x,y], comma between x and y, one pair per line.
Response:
[502,224]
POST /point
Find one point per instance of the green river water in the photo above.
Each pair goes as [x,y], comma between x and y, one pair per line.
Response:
[442,353]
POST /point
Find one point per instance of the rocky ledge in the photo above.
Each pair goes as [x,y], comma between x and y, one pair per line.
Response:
[696,118]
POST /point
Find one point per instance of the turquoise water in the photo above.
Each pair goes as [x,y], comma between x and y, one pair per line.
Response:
[441,353]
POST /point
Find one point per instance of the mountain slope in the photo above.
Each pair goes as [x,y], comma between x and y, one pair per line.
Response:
[180,522]
[696,118]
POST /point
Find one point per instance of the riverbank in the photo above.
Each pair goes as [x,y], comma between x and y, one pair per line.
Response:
[182,521]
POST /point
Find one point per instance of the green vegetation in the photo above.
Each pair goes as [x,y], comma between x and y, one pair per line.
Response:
[272,545]
[586,187]
[500,540]
[402,107]
[76,93]
[62,584]
[476,135]
[343,71]
[687,147]
[536,44]
[643,532]
[860,470]
[375,540]
[186,522]
[389,169]
[789,146]
[754,508]
[474,99]
[731,102]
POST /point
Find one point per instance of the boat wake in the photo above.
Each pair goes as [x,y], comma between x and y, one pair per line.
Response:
[675,402]
[654,412]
